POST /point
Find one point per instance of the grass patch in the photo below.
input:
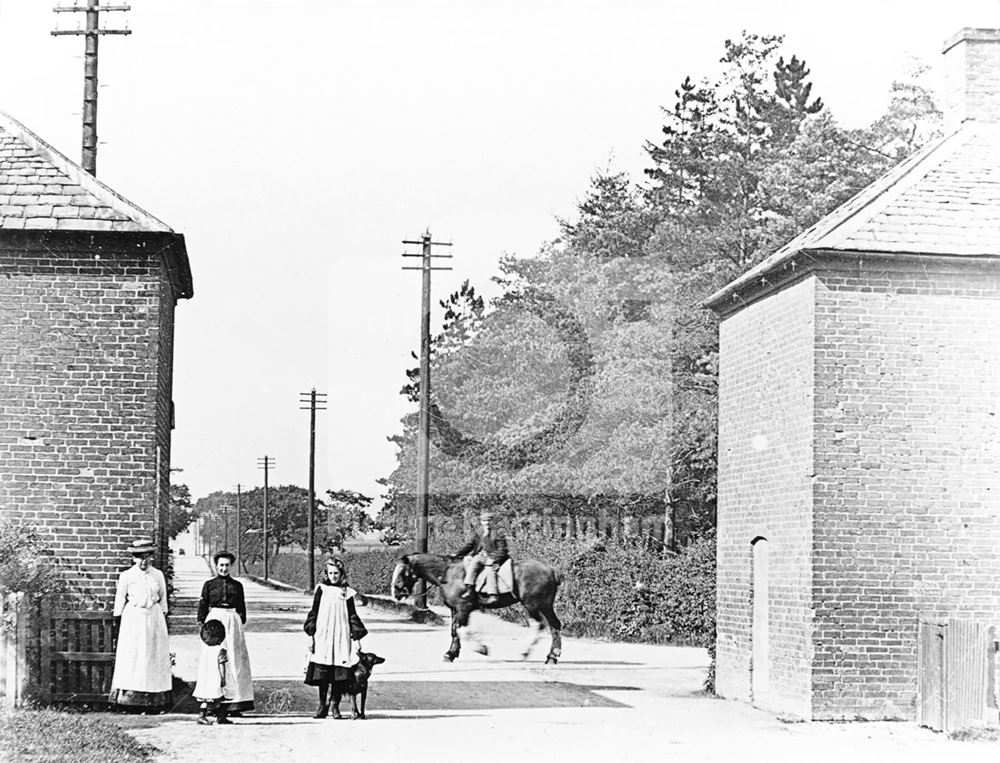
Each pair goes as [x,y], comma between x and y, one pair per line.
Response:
[44,736]
[976,734]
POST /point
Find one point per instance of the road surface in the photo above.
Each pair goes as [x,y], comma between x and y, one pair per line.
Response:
[603,702]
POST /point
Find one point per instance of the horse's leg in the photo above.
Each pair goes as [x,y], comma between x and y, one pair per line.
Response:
[535,625]
[468,635]
[456,644]
[555,651]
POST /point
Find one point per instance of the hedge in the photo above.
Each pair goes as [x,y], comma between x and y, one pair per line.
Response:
[620,590]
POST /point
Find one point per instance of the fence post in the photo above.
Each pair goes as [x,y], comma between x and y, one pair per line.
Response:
[13,650]
[45,649]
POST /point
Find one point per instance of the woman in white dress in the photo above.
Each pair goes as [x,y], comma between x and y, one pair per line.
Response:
[142,658]
[232,692]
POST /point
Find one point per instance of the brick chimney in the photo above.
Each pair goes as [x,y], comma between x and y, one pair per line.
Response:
[972,77]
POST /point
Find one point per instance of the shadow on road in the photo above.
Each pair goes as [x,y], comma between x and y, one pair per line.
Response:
[282,697]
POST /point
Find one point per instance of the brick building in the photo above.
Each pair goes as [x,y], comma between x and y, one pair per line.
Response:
[88,286]
[859,435]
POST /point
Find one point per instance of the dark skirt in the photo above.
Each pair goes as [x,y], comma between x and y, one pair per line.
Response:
[140,698]
[335,675]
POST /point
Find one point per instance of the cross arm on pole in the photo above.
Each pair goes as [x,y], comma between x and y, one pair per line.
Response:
[61,32]
[84,8]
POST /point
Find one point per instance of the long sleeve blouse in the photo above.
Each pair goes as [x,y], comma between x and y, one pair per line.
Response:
[222,592]
[140,588]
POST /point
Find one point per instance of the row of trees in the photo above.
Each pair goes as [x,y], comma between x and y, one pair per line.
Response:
[338,516]
[590,385]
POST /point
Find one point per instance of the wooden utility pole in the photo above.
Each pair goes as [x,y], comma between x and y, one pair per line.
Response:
[424,422]
[91,33]
[239,528]
[266,463]
[315,402]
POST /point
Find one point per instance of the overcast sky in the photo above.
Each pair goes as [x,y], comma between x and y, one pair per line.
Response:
[295,143]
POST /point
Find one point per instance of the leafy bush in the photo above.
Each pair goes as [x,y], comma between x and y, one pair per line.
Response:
[371,571]
[367,571]
[25,565]
[623,589]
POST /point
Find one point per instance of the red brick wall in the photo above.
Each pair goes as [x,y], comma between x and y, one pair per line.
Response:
[972,77]
[907,491]
[765,474]
[86,328]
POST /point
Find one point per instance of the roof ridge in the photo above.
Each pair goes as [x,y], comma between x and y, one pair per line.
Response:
[81,177]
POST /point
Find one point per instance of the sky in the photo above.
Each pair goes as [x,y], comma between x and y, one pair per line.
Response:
[296,143]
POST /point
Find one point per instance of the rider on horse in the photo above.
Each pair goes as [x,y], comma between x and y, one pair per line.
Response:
[487,548]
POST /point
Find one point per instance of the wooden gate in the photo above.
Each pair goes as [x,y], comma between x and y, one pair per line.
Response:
[957,663]
[77,655]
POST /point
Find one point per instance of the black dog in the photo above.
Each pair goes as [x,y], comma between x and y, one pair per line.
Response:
[358,684]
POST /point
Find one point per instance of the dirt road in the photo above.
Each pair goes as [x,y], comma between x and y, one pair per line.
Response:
[603,702]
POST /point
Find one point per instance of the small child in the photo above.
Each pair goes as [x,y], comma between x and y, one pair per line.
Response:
[336,631]
[211,686]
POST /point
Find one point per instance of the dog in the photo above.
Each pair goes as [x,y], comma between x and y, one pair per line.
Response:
[358,686]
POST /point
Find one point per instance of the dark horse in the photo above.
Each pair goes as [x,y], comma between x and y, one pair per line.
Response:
[535,586]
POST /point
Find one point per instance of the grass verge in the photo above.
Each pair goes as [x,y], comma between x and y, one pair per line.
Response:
[48,736]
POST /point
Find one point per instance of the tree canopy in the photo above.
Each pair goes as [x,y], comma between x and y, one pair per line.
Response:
[590,384]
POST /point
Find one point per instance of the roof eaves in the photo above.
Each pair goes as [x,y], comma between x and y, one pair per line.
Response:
[832,231]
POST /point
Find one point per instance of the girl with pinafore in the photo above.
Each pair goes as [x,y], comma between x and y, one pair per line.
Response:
[336,629]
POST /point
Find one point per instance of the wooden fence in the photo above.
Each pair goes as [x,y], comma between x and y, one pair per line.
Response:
[77,655]
[957,674]
[562,527]
[52,655]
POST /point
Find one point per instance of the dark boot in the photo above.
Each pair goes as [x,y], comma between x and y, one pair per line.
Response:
[321,711]
[203,719]
[223,717]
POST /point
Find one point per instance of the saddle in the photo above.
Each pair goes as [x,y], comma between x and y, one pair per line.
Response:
[505,578]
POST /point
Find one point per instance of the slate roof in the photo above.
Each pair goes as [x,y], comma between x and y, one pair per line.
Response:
[943,200]
[41,189]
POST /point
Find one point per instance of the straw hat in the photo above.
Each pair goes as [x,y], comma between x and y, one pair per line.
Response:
[141,547]
[213,633]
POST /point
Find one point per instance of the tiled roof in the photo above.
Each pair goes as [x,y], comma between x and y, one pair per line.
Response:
[42,189]
[943,200]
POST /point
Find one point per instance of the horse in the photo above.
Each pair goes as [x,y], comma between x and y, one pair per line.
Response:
[535,586]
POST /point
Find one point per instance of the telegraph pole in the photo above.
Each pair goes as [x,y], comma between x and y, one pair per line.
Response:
[239,528]
[225,525]
[424,423]
[314,401]
[91,33]
[266,463]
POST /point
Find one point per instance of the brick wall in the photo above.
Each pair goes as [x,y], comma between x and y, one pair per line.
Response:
[972,77]
[765,473]
[86,330]
[907,492]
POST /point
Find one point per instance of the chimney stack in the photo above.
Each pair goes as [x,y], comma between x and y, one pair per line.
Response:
[972,77]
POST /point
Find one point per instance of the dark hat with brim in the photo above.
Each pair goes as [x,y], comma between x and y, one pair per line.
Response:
[141,548]
[213,633]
